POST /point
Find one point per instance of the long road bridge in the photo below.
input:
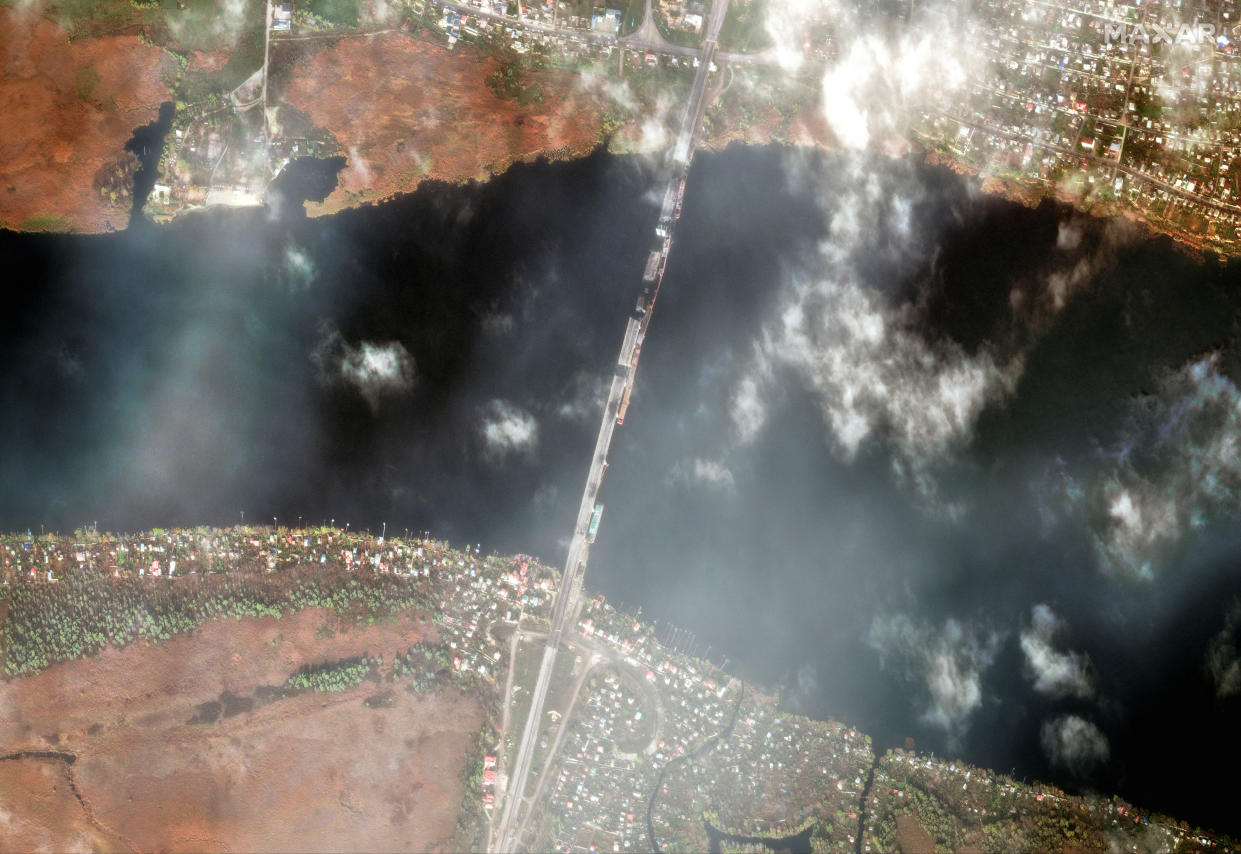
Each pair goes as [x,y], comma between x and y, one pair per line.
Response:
[568,602]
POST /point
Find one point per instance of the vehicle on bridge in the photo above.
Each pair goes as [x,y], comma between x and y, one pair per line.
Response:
[593,530]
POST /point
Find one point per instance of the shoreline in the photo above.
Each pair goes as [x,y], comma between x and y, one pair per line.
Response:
[122,558]
[996,186]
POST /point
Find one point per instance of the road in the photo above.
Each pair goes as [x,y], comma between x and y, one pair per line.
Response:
[565,605]
[1170,188]
[635,41]
[567,602]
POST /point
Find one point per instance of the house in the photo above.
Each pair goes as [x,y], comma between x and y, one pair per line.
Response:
[608,22]
[282,16]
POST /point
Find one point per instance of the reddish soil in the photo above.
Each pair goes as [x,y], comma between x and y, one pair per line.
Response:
[306,773]
[911,837]
[202,61]
[38,811]
[405,110]
[64,126]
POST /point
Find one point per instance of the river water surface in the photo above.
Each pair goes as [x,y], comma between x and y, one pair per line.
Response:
[437,363]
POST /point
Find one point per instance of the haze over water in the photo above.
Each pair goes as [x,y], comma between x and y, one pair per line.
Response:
[939,465]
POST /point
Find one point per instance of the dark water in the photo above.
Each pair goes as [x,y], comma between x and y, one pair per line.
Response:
[188,374]
[303,179]
[148,144]
[795,844]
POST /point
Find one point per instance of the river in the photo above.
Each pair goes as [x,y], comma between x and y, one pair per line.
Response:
[435,363]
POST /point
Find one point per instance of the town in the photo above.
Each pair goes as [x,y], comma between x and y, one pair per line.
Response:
[232,136]
[1131,108]
[1120,107]
[644,745]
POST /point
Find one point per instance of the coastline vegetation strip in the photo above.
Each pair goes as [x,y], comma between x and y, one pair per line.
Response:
[78,616]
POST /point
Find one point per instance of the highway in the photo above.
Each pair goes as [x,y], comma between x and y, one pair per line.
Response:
[567,604]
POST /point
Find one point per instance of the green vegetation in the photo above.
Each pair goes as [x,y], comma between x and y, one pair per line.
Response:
[744,28]
[45,222]
[334,678]
[84,81]
[685,38]
[422,661]
[341,12]
[634,13]
[98,17]
[507,83]
[611,124]
[247,57]
[470,834]
[80,615]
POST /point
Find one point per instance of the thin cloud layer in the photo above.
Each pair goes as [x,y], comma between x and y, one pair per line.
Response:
[507,430]
[709,473]
[298,268]
[375,370]
[1055,673]
[1178,468]
[874,369]
[1074,743]
[1224,655]
[946,662]
[883,73]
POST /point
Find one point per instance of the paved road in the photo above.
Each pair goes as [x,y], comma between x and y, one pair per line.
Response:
[567,602]
[636,41]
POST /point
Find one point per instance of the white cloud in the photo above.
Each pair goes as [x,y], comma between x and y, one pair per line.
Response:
[1077,263]
[1178,467]
[1068,236]
[874,375]
[879,79]
[878,85]
[298,268]
[506,429]
[1224,655]
[383,13]
[651,119]
[714,474]
[357,164]
[749,412]
[583,398]
[376,370]
[946,661]
[874,372]
[1055,673]
[1074,743]
[210,25]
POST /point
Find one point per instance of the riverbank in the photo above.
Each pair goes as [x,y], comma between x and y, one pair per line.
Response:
[402,108]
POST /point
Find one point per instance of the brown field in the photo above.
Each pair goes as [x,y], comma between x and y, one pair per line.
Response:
[312,772]
[911,837]
[405,110]
[68,111]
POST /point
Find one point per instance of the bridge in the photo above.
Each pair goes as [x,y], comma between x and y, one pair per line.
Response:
[506,835]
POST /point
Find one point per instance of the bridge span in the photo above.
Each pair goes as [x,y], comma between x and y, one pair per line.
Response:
[506,836]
